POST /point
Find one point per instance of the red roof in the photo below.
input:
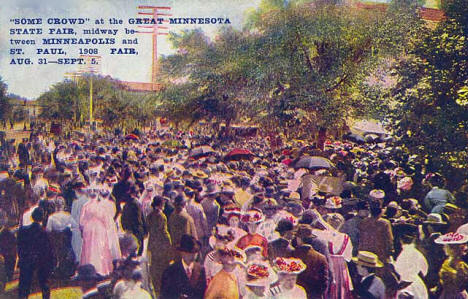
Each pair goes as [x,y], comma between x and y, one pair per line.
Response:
[140,86]
[431,14]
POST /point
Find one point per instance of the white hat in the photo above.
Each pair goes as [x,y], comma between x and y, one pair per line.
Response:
[260,274]
[289,265]
[452,238]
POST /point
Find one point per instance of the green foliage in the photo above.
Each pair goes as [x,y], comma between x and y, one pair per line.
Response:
[19,114]
[431,113]
[296,63]
[5,106]
[113,105]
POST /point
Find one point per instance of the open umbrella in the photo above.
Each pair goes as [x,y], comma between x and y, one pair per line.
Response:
[369,126]
[131,137]
[286,161]
[313,162]
[201,151]
[239,153]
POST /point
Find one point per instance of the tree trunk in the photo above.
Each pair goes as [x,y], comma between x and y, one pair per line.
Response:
[322,136]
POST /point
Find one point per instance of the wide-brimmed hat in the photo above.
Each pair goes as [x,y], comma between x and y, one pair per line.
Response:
[291,265]
[450,208]
[189,244]
[222,233]
[4,175]
[231,209]
[434,219]
[259,274]
[452,238]
[294,196]
[199,174]
[87,273]
[283,215]
[252,216]
[304,231]
[295,208]
[377,194]
[333,202]
[211,190]
[405,183]
[237,253]
[368,259]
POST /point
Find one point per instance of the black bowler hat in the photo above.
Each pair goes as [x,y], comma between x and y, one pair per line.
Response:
[189,244]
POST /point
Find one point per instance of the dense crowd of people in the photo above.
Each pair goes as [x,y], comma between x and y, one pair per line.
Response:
[166,214]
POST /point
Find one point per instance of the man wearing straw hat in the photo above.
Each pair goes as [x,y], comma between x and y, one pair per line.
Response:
[370,285]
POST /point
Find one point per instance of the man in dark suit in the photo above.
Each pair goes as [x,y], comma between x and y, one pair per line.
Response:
[7,245]
[315,278]
[133,220]
[281,247]
[184,278]
[23,154]
[35,256]
[376,236]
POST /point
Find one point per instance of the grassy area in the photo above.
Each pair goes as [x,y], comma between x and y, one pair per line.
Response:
[59,293]
[63,293]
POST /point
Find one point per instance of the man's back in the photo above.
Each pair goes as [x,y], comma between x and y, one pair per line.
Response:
[315,278]
[375,235]
[180,223]
[34,246]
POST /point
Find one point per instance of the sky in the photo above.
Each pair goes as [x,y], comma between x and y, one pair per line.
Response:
[31,80]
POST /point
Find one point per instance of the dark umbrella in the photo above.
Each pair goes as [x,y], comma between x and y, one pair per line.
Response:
[201,151]
[239,153]
[313,162]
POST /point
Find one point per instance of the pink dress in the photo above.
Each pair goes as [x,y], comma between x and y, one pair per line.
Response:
[340,285]
[100,239]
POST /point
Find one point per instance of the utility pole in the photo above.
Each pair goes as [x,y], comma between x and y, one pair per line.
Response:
[155,14]
[73,76]
[91,65]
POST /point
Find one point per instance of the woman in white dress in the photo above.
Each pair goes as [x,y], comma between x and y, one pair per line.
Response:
[408,265]
[99,232]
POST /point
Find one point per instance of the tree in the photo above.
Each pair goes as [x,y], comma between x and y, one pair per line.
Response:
[5,105]
[431,114]
[206,79]
[295,65]
[112,104]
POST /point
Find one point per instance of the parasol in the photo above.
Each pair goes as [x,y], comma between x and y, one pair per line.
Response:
[201,151]
[239,153]
[368,126]
[131,137]
[313,162]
